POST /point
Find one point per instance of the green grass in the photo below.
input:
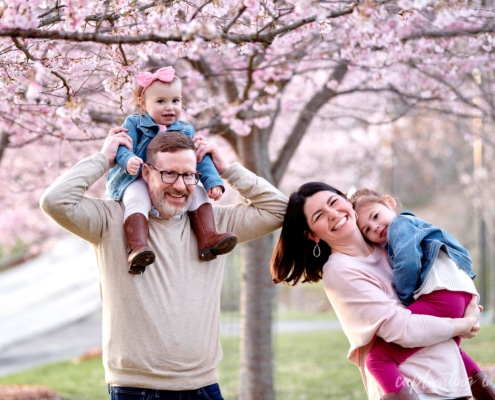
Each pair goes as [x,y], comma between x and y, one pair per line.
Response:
[307,366]
[76,381]
[314,366]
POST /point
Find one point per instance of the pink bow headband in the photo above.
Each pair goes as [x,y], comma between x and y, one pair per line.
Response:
[165,74]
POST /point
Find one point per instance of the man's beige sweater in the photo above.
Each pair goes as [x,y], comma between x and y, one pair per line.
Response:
[160,329]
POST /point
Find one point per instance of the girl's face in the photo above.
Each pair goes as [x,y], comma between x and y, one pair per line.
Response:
[330,218]
[373,221]
[163,102]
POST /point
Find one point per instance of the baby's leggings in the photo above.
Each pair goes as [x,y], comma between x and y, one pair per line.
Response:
[384,358]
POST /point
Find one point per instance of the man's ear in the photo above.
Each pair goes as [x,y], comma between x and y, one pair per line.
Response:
[391,203]
[145,173]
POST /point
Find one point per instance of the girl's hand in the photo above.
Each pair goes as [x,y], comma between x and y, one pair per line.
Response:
[215,193]
[133,165]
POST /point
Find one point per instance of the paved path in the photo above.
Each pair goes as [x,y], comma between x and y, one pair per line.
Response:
[47,292]
[49,307]
[64,343]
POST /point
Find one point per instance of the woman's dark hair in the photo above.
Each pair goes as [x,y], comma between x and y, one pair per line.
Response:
[293,257]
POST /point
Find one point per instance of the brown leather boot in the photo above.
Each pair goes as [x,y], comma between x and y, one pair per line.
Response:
[407,393]
[139,253]
[210,242]
[482,386]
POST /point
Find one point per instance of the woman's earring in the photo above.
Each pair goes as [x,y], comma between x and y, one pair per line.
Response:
[316,250]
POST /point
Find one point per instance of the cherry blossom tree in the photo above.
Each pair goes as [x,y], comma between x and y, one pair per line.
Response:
[260,76]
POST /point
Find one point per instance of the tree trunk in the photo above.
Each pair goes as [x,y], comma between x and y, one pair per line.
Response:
[257,294]
[258,291]
[4,141]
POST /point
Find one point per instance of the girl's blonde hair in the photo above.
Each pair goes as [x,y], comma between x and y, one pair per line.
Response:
[367,196]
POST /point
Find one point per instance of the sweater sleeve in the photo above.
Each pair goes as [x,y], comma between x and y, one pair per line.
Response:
[367,305]
[65,202]
[262,211]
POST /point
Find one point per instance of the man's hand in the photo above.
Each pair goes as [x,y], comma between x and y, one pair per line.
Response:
[203,147]
[116,137]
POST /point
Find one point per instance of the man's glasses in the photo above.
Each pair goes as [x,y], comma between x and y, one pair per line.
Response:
[170,177]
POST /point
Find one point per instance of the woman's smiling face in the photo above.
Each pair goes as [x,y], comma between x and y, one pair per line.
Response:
[330,217]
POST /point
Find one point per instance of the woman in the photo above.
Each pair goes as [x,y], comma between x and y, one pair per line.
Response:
[320,240]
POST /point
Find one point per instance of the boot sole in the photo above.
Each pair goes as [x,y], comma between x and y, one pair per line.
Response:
[223,247]
[141,261]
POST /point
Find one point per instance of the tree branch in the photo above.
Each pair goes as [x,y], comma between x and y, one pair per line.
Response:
[95,37]
[449,34]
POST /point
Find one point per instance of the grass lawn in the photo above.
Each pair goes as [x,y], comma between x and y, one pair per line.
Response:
[307,366]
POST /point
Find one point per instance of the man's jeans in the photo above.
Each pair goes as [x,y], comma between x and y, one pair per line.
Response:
[211,392]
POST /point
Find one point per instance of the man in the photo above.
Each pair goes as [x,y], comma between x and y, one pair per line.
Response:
[161,329]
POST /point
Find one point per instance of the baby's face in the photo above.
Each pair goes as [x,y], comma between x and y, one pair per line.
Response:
[373,221]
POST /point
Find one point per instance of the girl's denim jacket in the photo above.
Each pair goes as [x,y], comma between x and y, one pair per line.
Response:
[142,128]
[413,245]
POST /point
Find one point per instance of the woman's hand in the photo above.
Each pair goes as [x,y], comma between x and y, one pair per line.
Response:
[473,312]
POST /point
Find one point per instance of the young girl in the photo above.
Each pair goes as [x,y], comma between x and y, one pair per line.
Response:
[158,97]
[432,274]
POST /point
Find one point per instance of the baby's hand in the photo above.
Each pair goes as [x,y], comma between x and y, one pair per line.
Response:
[215,193]
[133,165]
